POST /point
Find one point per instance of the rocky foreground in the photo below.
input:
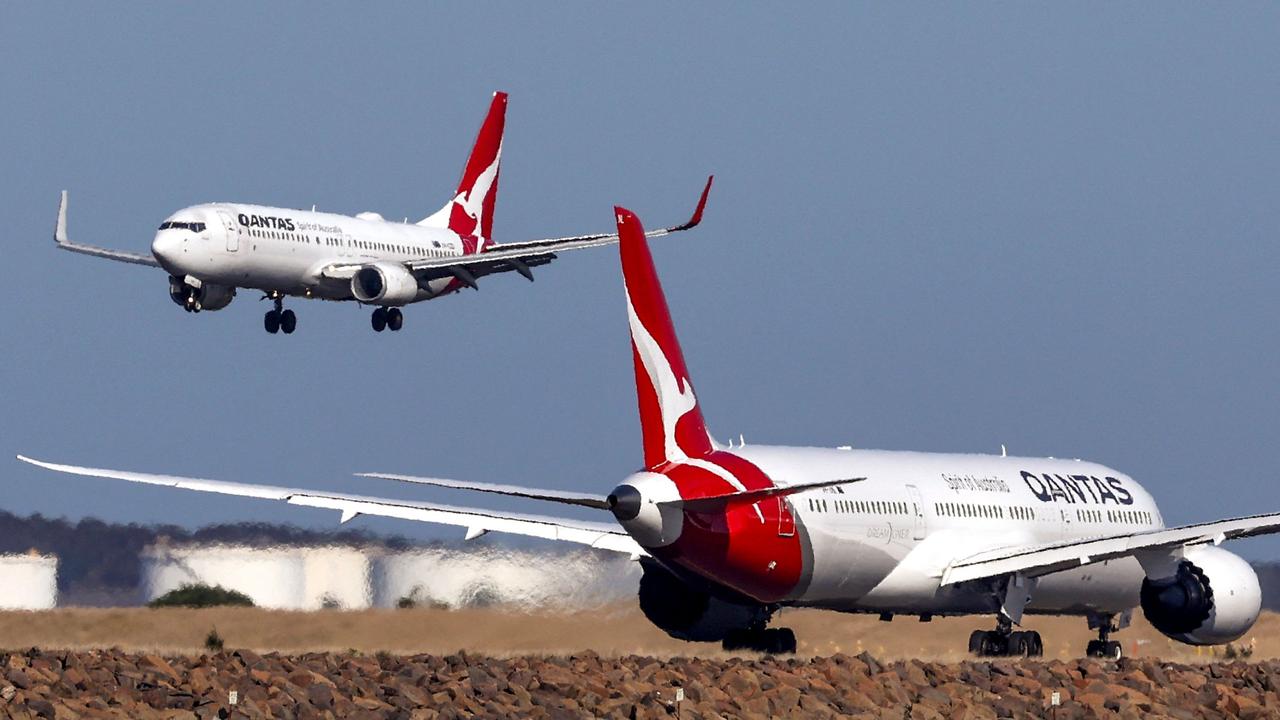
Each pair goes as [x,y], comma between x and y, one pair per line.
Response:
[113,683]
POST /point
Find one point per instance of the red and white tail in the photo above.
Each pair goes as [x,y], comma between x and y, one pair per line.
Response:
[470,212]
[670,420]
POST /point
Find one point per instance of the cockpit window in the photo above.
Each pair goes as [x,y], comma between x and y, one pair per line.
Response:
[192,226]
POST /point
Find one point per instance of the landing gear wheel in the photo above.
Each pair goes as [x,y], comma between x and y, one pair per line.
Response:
[395,319]
[779,641]
[1105,649]
[271,322]
[737,640]
[975,641]
[288,322]
[1016,645]
[1025,644]
[771,641]
[1002,643]
[994,644]
[379,320]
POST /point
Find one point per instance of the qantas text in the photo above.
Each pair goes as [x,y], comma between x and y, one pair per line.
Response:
[1077,489]
[266,221]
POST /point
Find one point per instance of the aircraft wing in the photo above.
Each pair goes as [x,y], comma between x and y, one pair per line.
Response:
[598,502]
[1037,560]
[514,256]
[60,239]
[605,536]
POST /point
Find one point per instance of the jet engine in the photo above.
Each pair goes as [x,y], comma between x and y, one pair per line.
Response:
[206,297]
[1212,598]
[687,613]
[384,283]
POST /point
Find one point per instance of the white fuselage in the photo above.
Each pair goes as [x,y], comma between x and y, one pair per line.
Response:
[882,544]
[285,251]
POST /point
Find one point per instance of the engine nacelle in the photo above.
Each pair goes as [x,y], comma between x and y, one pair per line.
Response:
[384,283]
[686,613]
[206,297]
[1213,598]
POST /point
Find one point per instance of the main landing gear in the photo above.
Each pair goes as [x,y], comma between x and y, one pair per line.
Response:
[772,641]
[1104,647]
[387,319]
[279,319]
[1004,641]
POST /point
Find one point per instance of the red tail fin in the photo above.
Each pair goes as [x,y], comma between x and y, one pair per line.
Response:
[470,212]
[670,420]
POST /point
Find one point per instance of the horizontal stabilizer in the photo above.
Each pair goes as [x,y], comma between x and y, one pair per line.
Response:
[558,496]
[716,503]
[511,256]
[532,247]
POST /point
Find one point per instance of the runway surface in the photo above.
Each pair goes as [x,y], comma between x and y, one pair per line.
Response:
[613,630]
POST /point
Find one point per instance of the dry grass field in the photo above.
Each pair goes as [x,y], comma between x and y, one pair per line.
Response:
[611,631]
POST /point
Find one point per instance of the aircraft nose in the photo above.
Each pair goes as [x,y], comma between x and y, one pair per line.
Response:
[166,247]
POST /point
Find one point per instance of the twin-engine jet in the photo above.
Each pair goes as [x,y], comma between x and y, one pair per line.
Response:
[212,250]
[730,535]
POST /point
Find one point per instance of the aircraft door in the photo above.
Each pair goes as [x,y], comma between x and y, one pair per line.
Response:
[786,519]
[233,230]
[917,509]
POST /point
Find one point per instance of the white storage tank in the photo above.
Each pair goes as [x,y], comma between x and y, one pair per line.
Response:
[271,577]
[281,578]
[469,578]
[336,577]
[28,582]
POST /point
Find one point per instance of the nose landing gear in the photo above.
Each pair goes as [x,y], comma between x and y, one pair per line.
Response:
[279,319]
[387,319]
[1104,647]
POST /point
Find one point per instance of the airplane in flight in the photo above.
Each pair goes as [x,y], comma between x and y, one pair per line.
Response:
[730,535]
[212,250]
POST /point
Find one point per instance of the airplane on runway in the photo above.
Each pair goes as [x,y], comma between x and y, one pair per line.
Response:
[730,535]
[211,250]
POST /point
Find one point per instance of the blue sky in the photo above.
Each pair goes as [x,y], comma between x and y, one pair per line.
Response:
[933,227]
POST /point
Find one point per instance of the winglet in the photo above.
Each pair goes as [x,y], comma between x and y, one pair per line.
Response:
[60,231]
[697,212]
